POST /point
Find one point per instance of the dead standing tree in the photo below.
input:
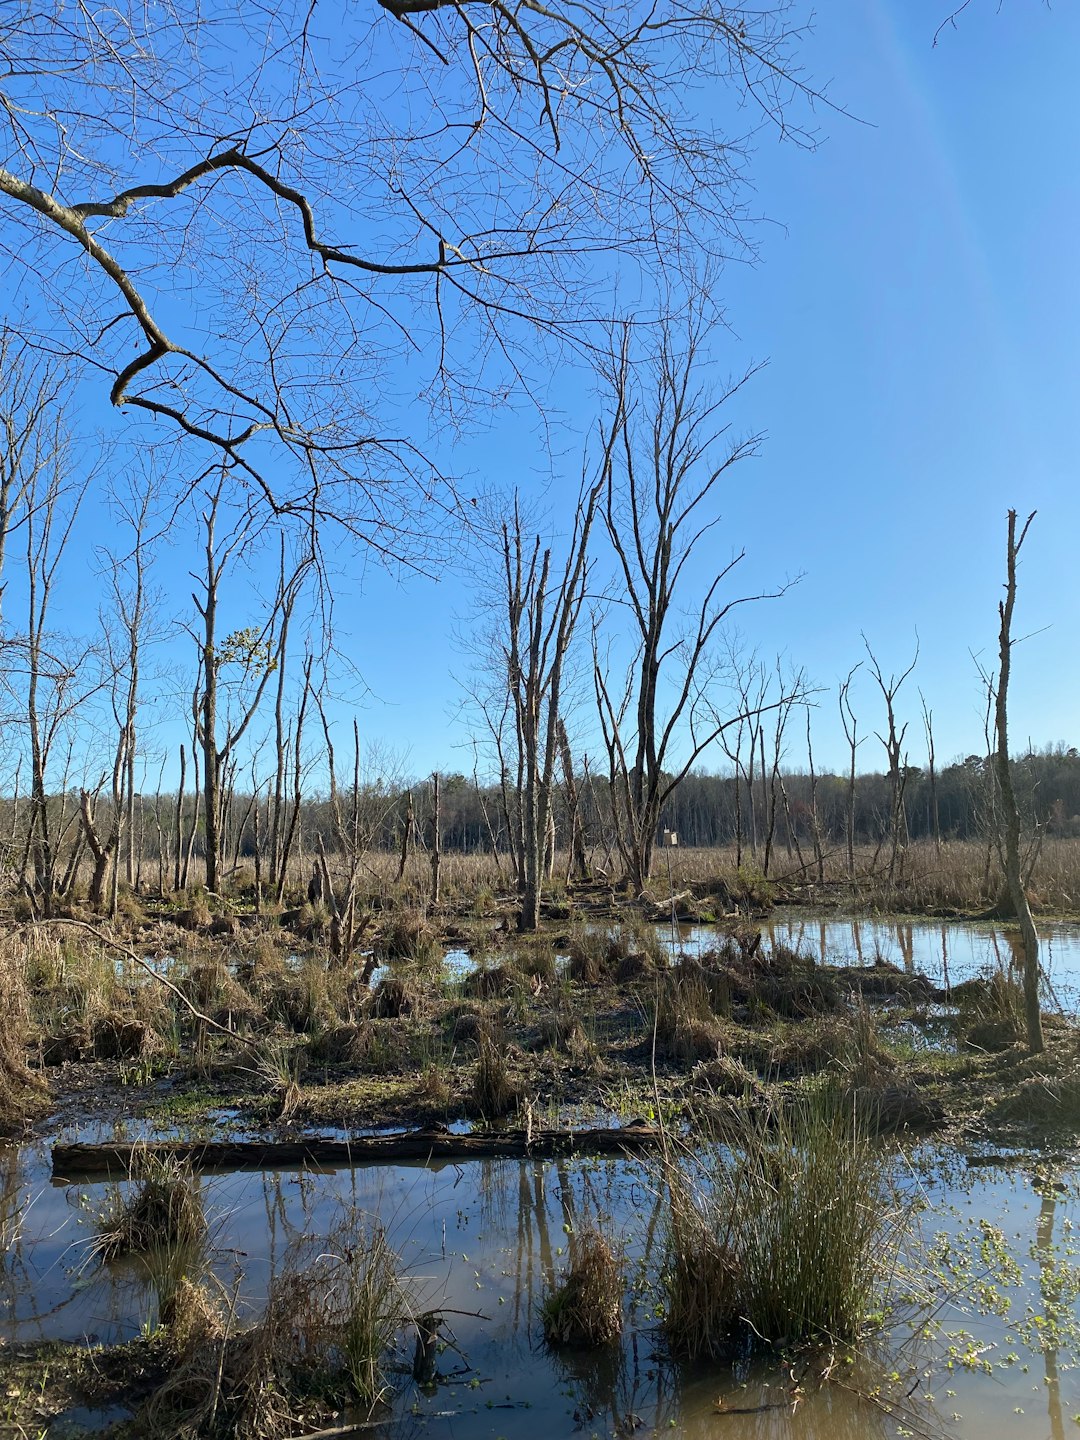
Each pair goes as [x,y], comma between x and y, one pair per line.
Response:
[660,477]
[1010,811]
[542,612]
[252,649]
[125,634]
[893,742]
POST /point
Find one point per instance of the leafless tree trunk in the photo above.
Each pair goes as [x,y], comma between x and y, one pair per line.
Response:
[893,741]
[851,734]
[252,649]
[660,475]
[1010,812]
[124,631]
[541,617]
[935,817]
[435,824]
[180,819]
[407,824]
[293,820]
[53,681]
[577,865]
[815,824]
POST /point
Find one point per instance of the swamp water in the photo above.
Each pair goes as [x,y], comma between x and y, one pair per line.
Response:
[984,1340]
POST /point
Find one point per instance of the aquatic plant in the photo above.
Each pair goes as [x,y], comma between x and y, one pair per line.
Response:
[331,1316]
[584,1309]
[494,1092]
[783,1236]
[162,1209]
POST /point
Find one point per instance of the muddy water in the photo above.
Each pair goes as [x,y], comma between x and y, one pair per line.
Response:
[998,1358]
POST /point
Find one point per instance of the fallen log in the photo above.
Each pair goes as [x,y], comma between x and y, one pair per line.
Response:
[81,1162]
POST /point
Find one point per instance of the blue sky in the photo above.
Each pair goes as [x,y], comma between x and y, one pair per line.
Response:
[917,301]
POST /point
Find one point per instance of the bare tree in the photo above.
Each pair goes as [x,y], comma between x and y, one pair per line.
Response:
[125,633]
[542,611]
[60,674]
[851,735]
[32,435]
[251,649]
[665,454]
[1010,811]
[488,147]
[893,742]
[935,813]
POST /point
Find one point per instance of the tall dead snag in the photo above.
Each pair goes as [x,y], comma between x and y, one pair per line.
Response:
[408,824]
[893,741]
[124,635]
[436,841]
[851,735]
[256,652]
[934,815]
[665,454]
[59,676]
[1010,813]
[542,612]
[578,864]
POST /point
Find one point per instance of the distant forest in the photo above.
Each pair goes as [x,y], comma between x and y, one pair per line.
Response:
[778,812]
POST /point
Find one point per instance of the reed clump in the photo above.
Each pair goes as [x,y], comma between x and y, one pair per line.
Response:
[782,1236]
[584,1309]
[407,934]
[595,954]
[163,1209]
[322,1344]
[495,1093]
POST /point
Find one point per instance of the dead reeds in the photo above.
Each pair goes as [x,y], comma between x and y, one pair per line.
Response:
[22,1093]
[321,1346]
[584,1309]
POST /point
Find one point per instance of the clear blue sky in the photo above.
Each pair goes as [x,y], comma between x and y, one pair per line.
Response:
[917,299]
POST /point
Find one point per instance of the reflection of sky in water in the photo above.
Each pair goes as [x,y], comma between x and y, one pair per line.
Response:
[484,1238]
[939,949]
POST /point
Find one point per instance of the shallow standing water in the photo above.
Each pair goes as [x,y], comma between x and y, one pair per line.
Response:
[485,1239]
[946,951]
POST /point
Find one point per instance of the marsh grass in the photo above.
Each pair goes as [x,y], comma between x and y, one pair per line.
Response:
[162,1208]
[785,1236]
[331,1318]
[495,1094]
[22,1093]
[596,954]
[279,1066]
[991,1009]
[584,1308]
[407,934]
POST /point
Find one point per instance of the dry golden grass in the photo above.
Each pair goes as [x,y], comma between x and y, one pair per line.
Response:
[23,1094]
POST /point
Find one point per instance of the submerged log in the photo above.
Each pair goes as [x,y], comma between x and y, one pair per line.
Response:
[80,1162]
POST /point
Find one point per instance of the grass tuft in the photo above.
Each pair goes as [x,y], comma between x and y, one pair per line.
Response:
[782,1237]
[584,1309]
